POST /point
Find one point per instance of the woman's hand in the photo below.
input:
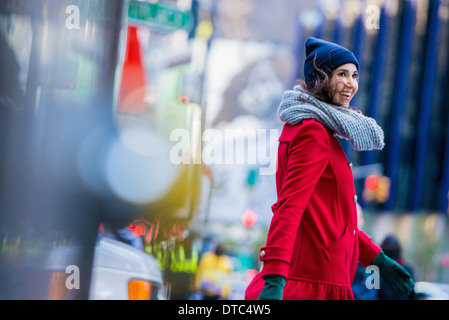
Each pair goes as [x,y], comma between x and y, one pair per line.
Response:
[394,274]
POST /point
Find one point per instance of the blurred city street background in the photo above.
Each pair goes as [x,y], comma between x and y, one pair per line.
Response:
[138,139]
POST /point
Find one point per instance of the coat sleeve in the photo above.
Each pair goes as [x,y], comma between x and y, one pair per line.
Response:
[308,156]
[368,249]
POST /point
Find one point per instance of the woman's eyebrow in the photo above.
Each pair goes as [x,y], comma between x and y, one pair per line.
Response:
[347,70]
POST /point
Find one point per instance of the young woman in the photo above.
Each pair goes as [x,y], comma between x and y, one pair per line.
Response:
[313,244]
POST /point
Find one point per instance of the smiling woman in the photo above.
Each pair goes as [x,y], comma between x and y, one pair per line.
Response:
[344,84]
[314,245]
[330,75]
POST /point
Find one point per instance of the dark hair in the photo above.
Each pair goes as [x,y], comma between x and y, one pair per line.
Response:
[219,250]
[391,247]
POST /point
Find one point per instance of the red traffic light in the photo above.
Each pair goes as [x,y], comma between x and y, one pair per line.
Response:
[372,182]
[249,218]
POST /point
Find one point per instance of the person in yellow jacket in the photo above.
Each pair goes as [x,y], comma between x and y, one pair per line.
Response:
[214,275]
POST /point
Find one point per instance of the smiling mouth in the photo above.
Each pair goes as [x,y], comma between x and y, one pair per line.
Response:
[346,95]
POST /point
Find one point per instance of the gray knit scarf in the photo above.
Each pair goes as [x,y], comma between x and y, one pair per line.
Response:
[363,132]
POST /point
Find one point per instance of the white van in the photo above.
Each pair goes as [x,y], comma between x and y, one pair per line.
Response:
[120,272]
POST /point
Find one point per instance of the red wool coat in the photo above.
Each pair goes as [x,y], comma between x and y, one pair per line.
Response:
[313,239]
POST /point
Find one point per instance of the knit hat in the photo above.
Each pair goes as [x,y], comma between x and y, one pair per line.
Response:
[329,56]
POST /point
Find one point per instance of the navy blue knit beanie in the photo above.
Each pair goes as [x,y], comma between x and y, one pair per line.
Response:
[329,56]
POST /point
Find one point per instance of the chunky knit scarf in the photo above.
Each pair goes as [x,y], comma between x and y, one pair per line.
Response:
[363,132]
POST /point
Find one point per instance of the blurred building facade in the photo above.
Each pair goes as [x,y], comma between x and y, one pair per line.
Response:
[402,46]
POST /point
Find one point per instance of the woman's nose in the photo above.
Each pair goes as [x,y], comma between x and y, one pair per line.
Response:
[350,83]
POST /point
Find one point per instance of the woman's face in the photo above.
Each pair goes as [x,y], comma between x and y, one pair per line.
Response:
[344,84]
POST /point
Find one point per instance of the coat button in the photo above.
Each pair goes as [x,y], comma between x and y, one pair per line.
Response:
[262,254]
[355,198]
[350,165]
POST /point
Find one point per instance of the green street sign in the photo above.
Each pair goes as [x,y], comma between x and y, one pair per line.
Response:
[161,16]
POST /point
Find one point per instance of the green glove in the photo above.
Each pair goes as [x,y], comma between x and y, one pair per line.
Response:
[394,274]
[273,289]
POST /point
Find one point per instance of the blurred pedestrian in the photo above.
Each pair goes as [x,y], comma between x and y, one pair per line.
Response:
[214,275]
[392,248]
[314,244]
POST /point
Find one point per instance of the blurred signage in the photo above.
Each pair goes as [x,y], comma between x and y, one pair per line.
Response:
[161,16]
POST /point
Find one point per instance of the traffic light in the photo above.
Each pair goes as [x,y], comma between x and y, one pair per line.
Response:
[372,182]
[249,218]
[377,189]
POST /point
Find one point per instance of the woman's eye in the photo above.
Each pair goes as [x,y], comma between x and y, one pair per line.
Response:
[341,74]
